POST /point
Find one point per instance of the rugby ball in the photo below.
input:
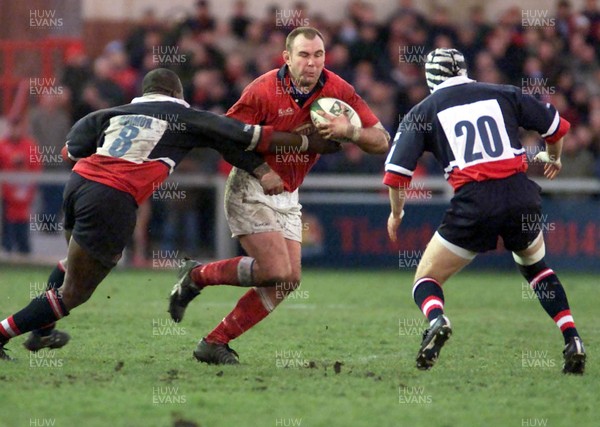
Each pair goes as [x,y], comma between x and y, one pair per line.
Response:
[335,107]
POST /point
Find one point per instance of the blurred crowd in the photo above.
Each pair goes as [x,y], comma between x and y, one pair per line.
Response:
[551,55]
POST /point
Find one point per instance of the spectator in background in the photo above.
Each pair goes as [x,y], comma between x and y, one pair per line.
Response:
[584,63]
[381,98]
[224,40]
[553,62]
[100,92]
[18,153]
[564,19]
[577,159]
[579,98]
[252,43]
[208,91]
[136,44]
[407,8]
[239,20]
[348,32]
[469,43]
[479,24]
[50,123]
[195,56]
[367,47]
[201,21]
[152,39]
[507,56]
[441,25]
[361,13]
[592,13]
[364,77]
[121,72]
[236,74]
[75,74]
[338,61]
[486,70]
[407,98]
[148,64]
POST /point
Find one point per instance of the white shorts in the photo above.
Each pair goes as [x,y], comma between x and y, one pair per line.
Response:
[250,211]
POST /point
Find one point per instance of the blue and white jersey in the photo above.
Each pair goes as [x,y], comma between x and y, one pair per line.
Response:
[133,147]
[472,130]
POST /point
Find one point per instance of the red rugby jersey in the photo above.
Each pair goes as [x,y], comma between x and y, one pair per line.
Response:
[269,100]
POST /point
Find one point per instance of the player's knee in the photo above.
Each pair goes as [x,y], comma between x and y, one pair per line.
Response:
[531,258]
[275,273]
[530,272]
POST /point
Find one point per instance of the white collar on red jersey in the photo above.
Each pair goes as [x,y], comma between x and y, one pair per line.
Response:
[157,97]
[453,81]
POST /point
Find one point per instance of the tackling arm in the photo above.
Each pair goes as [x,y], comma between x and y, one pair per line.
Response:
[313,143]
[262,139]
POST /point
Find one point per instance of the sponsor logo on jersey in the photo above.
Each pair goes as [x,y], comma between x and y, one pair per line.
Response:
[286,112]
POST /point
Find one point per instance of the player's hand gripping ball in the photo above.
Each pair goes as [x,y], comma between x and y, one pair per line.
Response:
[334,107]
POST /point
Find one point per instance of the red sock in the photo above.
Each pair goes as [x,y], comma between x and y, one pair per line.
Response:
[234,271]
[248,312]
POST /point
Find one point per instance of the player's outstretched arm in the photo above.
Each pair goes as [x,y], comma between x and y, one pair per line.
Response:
[261,139]
[313,143]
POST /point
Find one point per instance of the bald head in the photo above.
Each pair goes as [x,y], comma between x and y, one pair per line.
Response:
[163,81]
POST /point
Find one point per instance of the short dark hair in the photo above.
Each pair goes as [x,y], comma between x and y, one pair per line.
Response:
[161,80]
[308,32]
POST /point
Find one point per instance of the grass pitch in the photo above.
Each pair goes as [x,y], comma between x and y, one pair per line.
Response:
[340,353]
